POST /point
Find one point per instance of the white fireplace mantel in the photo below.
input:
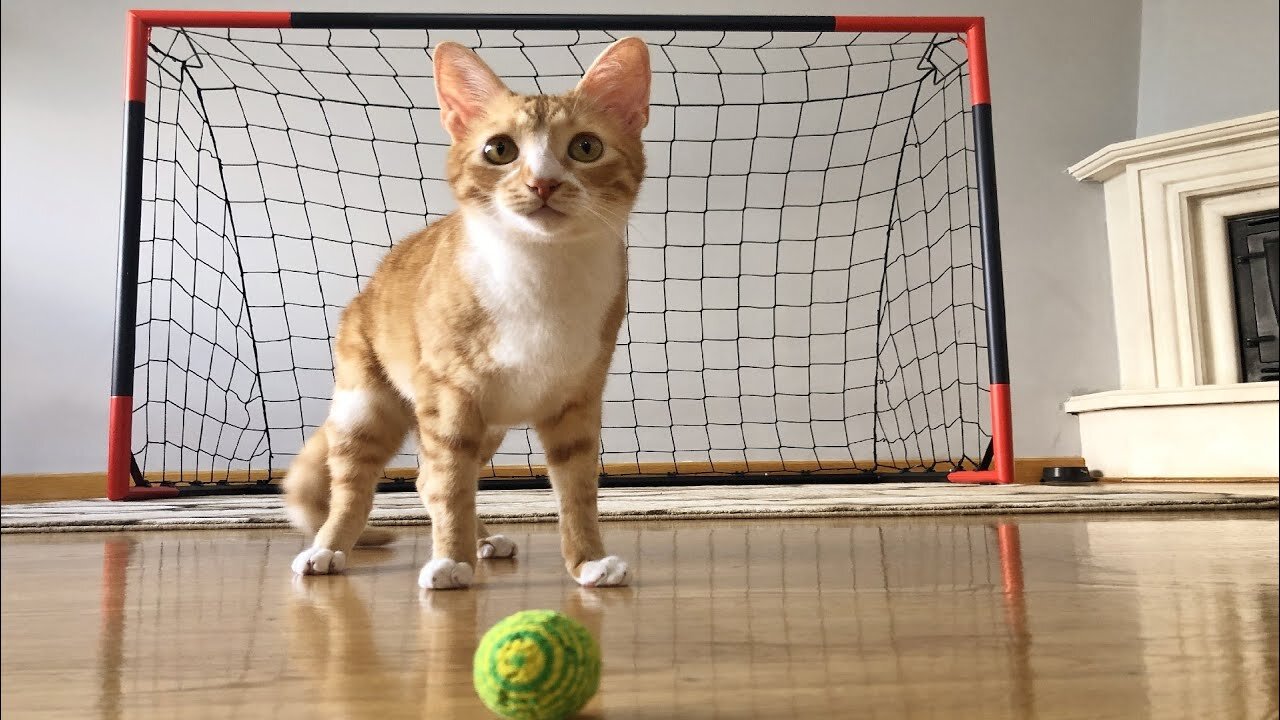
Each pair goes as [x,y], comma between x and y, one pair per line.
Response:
[1167,201]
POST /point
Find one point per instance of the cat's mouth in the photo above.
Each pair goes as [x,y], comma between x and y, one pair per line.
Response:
[546,213]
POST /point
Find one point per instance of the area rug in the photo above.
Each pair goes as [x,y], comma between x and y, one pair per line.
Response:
[760,501]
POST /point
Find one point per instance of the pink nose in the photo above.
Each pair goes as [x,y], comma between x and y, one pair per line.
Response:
[543,187]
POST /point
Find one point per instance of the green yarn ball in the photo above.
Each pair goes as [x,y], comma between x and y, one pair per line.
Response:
[537,665]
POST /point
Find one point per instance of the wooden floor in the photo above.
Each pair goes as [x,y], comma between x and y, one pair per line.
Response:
[1163,616]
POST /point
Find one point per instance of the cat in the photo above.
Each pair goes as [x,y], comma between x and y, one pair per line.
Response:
[504,312]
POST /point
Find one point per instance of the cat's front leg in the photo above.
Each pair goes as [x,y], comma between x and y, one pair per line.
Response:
[572,442]
[450,438]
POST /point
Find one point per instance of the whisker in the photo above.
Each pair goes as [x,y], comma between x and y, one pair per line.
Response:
[607,222]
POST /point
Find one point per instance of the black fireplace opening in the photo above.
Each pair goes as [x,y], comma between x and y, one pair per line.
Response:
[1255,264]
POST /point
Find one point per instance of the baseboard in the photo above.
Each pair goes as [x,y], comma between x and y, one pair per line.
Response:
[80,486]
[1272,480]
[47,487]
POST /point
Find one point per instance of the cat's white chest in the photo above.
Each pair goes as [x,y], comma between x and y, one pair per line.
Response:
[547,303]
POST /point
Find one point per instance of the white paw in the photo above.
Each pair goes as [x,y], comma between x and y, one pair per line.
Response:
[497,546]
[444,574]
[319,561]
[606,572]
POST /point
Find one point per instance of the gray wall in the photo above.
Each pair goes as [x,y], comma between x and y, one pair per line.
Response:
[1064,79]
[1206,61]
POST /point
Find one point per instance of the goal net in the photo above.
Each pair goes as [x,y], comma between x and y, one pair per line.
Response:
[806,280]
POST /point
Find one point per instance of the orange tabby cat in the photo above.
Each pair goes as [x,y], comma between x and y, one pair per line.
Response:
[505,312]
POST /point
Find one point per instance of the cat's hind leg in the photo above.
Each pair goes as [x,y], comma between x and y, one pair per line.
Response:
[333,496]
[306,493]
[306,485]
[492,546]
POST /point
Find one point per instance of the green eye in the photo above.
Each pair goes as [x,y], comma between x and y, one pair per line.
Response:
[500,150]
[586,148]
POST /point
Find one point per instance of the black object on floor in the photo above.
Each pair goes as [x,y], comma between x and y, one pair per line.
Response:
[1066,475]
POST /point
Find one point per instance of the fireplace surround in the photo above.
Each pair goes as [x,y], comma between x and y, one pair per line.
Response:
[1181,411]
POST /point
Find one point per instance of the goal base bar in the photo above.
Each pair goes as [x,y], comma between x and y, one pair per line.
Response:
[153,492]
[635,474]
[976,477]
[606,481]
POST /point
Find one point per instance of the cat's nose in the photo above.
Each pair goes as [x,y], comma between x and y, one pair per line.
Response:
[543,187]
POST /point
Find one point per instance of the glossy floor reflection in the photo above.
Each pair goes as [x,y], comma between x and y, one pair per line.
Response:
[1162,616]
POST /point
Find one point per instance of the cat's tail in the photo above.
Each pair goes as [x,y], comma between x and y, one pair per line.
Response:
[306,492]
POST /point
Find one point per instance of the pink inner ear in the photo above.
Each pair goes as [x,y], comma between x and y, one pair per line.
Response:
[619,80]
[464,86]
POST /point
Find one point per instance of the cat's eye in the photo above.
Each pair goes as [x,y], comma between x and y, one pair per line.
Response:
[500,150]
[586,148]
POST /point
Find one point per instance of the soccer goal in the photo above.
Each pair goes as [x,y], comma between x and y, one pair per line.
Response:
[815,287]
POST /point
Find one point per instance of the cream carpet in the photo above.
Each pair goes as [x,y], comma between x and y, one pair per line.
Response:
[761,501]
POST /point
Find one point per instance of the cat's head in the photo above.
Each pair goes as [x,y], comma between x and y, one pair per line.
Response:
[546,166]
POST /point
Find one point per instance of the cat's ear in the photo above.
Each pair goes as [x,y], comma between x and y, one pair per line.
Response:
[619,81]
[464,86]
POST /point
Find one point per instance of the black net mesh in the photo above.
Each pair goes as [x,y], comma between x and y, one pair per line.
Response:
[806,285]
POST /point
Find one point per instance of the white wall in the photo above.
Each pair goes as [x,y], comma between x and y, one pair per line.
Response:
[1206,61]
[1064,82]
